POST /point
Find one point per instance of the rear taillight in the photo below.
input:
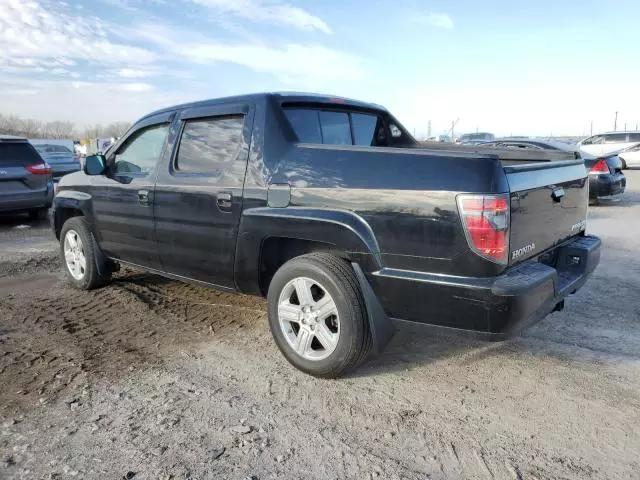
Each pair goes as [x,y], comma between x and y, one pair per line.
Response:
[600,167]
[39,168]
[485,219]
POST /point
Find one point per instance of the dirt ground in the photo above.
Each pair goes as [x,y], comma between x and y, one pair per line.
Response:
[153,379]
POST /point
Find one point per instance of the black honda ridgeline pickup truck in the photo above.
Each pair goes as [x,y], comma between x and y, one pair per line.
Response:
[330,209]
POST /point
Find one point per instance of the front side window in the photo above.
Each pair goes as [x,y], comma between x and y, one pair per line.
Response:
[142,151]
[208,144]
[596,140]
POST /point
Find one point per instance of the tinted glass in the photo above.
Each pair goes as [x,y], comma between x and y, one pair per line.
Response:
[208,144]
[141,153]
[594,140]
[364,129]
[335,128]
[306,124]
[634,137]
[615,138]
[18,154]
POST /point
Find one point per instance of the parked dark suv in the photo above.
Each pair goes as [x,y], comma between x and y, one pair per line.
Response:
[332,210]
[25,178]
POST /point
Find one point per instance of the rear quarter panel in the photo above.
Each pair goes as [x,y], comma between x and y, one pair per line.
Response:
[407,197]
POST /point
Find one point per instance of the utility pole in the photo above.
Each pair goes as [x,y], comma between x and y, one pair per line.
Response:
[615,123]
[429,129]
[591,130]
[625,126]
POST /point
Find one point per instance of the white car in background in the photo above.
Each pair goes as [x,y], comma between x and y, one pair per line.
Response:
[630,157]
[607,143]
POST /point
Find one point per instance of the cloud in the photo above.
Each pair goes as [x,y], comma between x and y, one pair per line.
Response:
[40,35]
[264,11]
[440,20]
[134,73]
[136,87]
[290,63]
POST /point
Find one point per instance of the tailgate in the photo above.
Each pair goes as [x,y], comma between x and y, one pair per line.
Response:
[548,205]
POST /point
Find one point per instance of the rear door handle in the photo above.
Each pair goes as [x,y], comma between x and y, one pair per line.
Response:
[224,201]
[143,197]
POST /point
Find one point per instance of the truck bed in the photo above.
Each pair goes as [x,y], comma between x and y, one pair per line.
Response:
[508,156]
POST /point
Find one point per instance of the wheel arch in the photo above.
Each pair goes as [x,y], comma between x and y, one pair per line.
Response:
[268,237]
[68,204]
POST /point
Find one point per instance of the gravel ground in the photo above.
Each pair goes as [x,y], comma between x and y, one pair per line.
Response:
[153,379]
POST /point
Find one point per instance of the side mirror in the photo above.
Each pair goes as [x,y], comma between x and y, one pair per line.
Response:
[95,165]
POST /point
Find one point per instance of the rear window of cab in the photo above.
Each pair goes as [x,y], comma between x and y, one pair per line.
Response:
[332,127]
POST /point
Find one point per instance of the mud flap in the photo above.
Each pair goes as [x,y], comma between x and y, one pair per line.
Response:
[382,329]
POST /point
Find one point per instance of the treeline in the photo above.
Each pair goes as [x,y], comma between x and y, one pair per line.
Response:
[30,128]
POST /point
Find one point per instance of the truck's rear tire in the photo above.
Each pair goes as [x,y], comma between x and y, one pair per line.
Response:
[317,315]
[83,262]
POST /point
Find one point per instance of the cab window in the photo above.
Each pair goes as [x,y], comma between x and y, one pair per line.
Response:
[141,152]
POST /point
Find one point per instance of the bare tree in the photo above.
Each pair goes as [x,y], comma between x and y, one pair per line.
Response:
[58,129]
[116,129]
[30,128]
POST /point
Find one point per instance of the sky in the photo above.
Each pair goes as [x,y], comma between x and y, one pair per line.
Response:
[511,67]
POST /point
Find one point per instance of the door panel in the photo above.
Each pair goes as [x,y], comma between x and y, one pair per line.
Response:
[198,194]
[123,213]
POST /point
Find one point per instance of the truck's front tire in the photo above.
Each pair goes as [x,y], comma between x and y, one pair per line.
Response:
[317,315]
[83,262]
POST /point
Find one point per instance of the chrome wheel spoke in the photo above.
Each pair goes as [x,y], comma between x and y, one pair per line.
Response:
[303,342]
[325,307]
[303,291]
[326,337]
[289,313]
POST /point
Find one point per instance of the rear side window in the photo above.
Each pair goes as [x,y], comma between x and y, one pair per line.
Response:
[615,138]
[209,144]
[364,129]
[306,124]
[18,154]
[634,137]
[337,128]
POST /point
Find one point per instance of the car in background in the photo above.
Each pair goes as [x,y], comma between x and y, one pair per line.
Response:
[440,138]
[608,143]
[61,159]
[476,138]
[530,144]
[26,184]
[606,180]
[630,157]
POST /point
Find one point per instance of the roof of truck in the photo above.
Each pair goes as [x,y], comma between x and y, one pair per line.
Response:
[293,97]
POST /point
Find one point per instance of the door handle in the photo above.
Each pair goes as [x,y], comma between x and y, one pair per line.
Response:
[224,201]
[143,197]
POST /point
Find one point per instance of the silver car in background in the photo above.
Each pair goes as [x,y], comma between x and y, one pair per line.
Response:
[608,143]
[61,159]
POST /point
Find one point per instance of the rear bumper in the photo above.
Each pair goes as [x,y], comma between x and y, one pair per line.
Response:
[496,307]
[606,186]
[27,200]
